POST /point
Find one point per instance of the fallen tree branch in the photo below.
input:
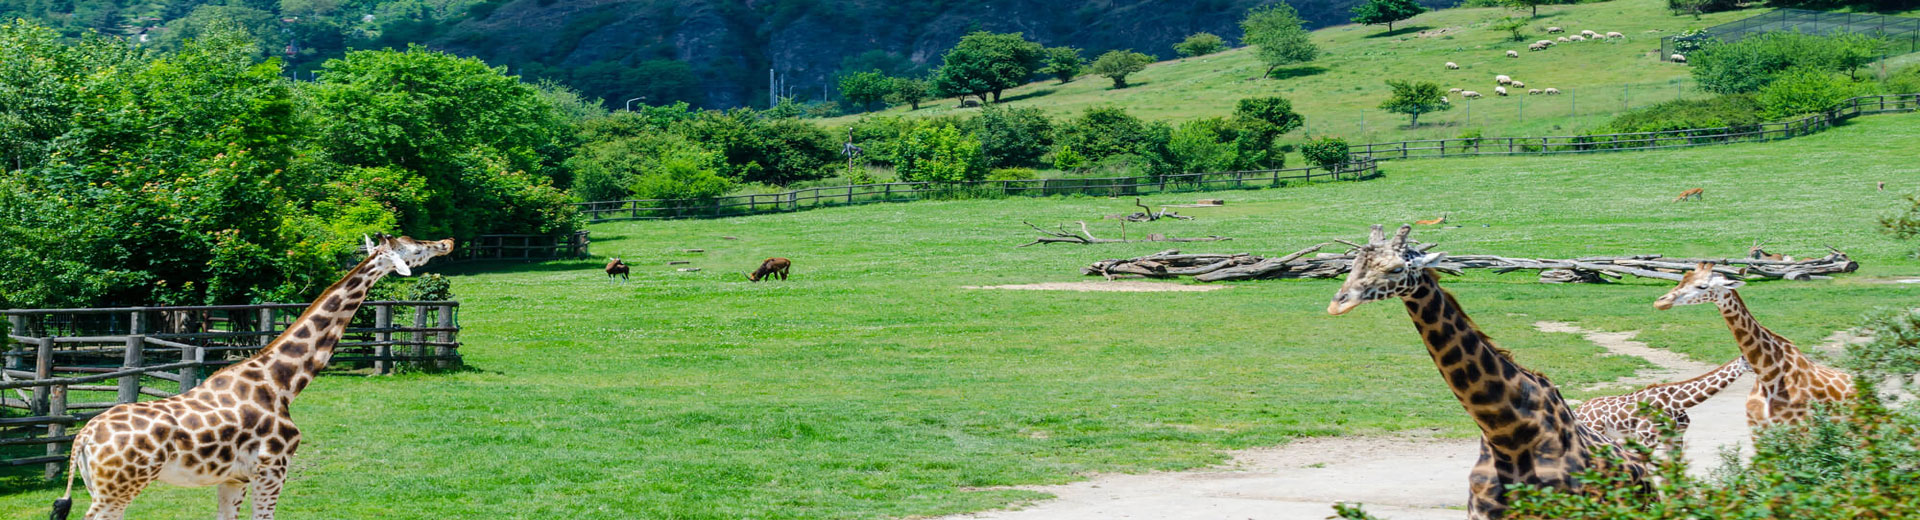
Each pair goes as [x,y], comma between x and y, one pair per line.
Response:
[1243,266]
[1061,236]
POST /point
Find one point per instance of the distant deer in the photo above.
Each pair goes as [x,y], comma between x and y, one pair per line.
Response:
[1755,252]
[616,268]
[770,268]
[1696,194]
[1883,185]
[1441,220]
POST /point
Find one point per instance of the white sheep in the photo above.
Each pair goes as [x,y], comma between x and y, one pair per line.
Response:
[1517,84]
[1453,66]
[1454,90]
[1536,47]
[1443,100]
[1590,34]
[1562,39]
[1678,58]
[1513,54]
[1500,90]
[1469,94]
[1545,42]
[1576,38]
[1551,30]
[1502,79]
[1612,35]
[1533,91]
[1550,91]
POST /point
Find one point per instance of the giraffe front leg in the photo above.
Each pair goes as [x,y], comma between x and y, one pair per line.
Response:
[230,496]
[266,487]
[1485,492]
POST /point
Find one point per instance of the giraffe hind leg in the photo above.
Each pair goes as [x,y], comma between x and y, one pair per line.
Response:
[231,494]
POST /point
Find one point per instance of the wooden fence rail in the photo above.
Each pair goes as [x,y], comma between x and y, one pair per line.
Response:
[654,209]
[524,247]
[1363,165]
[50,356]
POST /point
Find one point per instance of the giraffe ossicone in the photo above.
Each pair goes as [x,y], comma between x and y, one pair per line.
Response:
[1528,434]
[234,430]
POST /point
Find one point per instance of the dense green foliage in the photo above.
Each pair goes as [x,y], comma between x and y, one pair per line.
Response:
[1415,98]
[1751,63]
[1107,132]
[939,153]
[866,89]
[1377,12]
[1326,152]
[1116,65]
[1200,44]
[1258,123]
[1804,90]
[762,149]
[910,92]
[650,164]
[1063,63]
[1279,35]
[1011,137]
[1736,111]
[1904,223]
[1202,145]
[987,63]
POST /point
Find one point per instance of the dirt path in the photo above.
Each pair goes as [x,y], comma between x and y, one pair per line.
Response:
[1399,477]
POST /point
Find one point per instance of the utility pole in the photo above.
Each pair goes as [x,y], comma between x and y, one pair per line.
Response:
[773,93]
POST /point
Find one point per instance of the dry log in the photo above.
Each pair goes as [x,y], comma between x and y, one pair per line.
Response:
[1061,236]
[1597,269]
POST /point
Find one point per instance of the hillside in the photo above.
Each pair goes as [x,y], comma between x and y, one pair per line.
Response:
[1340,92]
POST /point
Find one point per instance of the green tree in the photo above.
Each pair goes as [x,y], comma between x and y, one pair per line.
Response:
[756,149]
[1012,137]
[987,63]
[1326,152]
[1279,34]
[1103,132]
[1376,12]
[1257,123]
[1511,25]
[1202,145]
[1415,98]
[1804,90]
[1063,63]
[910,92]
[1752,63]
[865,89]
[1200,44]
[1533,6]
[1117,64]
[939,153]
[650,165]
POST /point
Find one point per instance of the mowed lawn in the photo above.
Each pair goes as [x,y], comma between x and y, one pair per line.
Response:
[873,385]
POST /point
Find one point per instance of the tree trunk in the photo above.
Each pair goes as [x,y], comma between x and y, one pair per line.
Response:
[1536,10]
[996,95]
[1416,120]
[1389,26]
[1119,82]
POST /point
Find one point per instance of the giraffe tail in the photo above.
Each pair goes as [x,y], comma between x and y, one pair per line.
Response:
[64,505]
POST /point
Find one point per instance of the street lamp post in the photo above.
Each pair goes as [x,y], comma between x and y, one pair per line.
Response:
[630,102]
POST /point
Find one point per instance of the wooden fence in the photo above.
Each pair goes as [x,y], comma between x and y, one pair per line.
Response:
[1640,140]
[56,361]
[651,209]
[524,247]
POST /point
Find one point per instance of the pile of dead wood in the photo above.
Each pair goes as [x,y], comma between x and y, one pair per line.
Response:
[1060,235]
[1594,269]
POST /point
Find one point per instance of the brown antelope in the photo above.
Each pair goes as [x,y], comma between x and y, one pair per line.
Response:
[616,268]
[1441,220]
[1755,252]
[770,268]
[1696,194]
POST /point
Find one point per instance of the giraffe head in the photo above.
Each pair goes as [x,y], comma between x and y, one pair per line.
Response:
[1384,268]
[402,254]
[1702,285]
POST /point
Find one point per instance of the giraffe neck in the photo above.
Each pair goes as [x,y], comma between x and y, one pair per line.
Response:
[288,363]
[1694,391]
[1506,400]
[1763,349]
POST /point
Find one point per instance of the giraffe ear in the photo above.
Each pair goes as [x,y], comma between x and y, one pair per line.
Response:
[400,266]
[1729,283]
[1427,260]
[367,242]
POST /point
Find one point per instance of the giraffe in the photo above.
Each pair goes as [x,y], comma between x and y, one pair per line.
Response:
[1788,383]
[1621,413]
[1528,434]
[234,430]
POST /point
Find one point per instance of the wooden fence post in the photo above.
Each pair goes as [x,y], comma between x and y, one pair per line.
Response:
[383,351]
[16,352]
[132,359]
[42,369]
[443,351]
[266,327]
[58,408]
[419,338]
[190,375]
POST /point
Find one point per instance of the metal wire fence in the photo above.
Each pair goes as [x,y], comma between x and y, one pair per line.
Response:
[1901,33]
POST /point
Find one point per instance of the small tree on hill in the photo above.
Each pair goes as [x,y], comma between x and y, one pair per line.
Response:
[1257,122]
[1531,5]
[1200,44]
[987,63]
[1413,99]
[909,91]
[1279,35]
[1118,64]
[1376,12]
[1511,25]
[1063,63]
[864,89]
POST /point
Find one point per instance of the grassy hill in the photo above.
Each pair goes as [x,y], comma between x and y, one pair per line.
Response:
[874,385]
[1340,91]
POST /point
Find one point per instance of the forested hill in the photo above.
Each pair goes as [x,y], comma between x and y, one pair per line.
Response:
[713,53]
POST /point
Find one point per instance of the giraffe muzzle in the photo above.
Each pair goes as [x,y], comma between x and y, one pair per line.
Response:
[1341,304]
[1663,303]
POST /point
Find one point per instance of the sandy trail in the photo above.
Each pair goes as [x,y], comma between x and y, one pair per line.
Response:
[1398,477]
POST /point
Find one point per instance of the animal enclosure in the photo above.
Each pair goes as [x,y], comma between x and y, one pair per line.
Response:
[1901,33]
[524,247]
[57,362]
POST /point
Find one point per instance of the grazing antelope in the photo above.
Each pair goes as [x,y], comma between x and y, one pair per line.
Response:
[770,268]
[1883,185]
[1755,252]
[1441,220]
[1696,193]
[616,268]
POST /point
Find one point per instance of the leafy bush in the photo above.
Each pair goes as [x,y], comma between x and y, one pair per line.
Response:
[1748,64]
[1326,152]
[755,149]
[939,154]
[909,91]
[1200,44]
[1906,223]
[431,287]
[1257,123]
[1101,132]
[1063,63]
[865,89]
[1201,145]
[1067,159]
[1894,351]
[1012,136]
[1804,90]
[1012,174]
[1737,111]
[1903,81]
[1117,65]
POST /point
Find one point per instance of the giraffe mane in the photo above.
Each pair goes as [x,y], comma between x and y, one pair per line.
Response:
[1434,277]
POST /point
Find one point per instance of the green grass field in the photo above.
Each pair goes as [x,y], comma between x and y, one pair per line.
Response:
[1339,93]
[873,385]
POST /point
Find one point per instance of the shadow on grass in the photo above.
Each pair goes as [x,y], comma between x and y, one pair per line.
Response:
[1296,72]
[595,264]
[1400,31]
[1028,95]
[29,477]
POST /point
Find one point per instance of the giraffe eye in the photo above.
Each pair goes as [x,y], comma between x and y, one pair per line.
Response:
[1700,286]
[1397,270]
